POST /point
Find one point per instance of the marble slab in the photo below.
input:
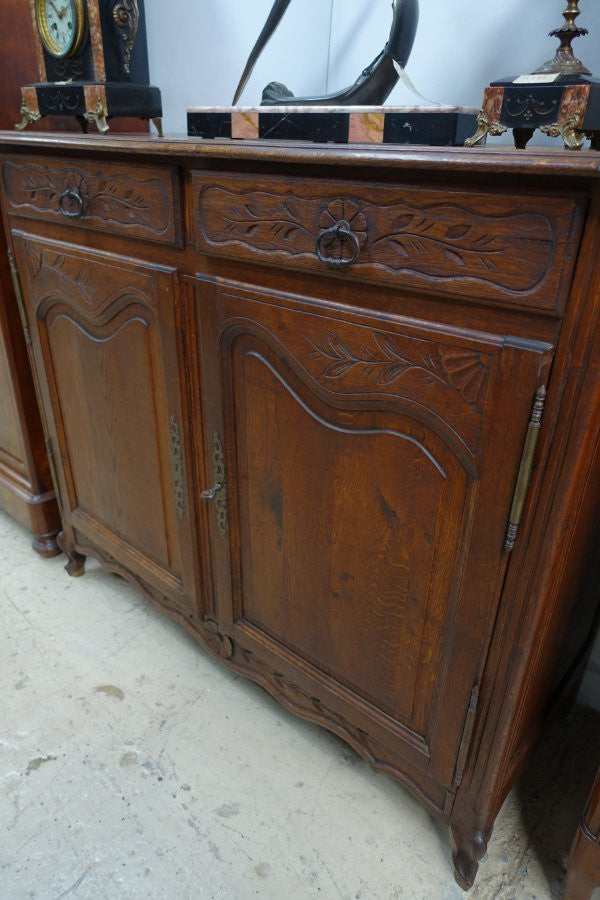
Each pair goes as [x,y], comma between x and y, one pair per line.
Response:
[438,126]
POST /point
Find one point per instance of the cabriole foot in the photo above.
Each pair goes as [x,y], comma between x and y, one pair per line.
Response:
[76,565]
[484,127]
[468,851]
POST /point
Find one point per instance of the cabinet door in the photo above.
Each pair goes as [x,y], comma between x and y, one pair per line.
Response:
[367,469]
[106,348]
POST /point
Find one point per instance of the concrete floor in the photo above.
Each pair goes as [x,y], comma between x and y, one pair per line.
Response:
[133,766]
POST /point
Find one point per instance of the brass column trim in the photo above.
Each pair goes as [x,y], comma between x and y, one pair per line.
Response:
[525,469]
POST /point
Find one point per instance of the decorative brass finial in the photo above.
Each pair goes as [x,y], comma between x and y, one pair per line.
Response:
[565,62]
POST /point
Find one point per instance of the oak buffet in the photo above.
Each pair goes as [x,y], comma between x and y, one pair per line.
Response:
[337,411]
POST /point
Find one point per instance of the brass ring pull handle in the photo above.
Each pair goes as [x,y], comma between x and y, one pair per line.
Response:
[342,231]
[212,492]
[71,204]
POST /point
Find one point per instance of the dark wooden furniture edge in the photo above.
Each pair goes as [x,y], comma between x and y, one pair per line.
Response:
[27,495]
[515,681]
[499,161]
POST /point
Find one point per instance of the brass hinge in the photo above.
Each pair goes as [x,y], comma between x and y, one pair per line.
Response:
[467,737]
[525,469]
[53,475]
[19,295]
[177,467]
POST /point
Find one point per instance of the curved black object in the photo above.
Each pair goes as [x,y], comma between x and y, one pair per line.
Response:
[374,84]
[275,17]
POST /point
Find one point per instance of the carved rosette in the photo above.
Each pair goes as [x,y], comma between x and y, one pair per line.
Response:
[347,211]
[126,16]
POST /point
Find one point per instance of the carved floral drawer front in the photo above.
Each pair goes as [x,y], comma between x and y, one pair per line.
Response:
[141,201]
[519,249]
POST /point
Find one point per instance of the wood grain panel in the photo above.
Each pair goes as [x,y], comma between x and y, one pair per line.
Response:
[357,489]
[102,428]
[136,201]
[106,344]
[512,248]
[307,485]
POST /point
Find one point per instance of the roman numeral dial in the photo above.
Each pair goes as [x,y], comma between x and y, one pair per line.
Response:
[61,24]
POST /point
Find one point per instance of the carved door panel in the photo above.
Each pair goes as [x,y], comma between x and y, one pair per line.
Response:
[106,349]
[366,470]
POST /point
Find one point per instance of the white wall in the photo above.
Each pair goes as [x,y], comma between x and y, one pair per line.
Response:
[461,46]
[198,49]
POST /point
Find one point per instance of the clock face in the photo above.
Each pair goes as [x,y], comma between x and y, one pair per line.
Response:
[61,25]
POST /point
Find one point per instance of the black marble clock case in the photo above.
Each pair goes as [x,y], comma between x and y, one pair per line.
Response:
[535,105]
[122,89]
[110,42]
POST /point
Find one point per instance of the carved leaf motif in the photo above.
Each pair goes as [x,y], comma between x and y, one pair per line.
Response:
[81,281]
[280,221]
[460,244]
[457,231]
[462,371]
[403,221]
[454,257]
[44,189]
[119,199]
[335,369]
[61,267]
[129,201]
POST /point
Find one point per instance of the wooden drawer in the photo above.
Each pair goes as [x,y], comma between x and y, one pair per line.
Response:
[132,201]
[515,248]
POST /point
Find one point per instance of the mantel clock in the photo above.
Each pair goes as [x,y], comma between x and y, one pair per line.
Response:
[93,63]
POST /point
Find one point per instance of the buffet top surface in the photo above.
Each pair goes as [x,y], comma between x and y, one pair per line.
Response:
[498,159]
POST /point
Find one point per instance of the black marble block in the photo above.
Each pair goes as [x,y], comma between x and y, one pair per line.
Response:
[437,127]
